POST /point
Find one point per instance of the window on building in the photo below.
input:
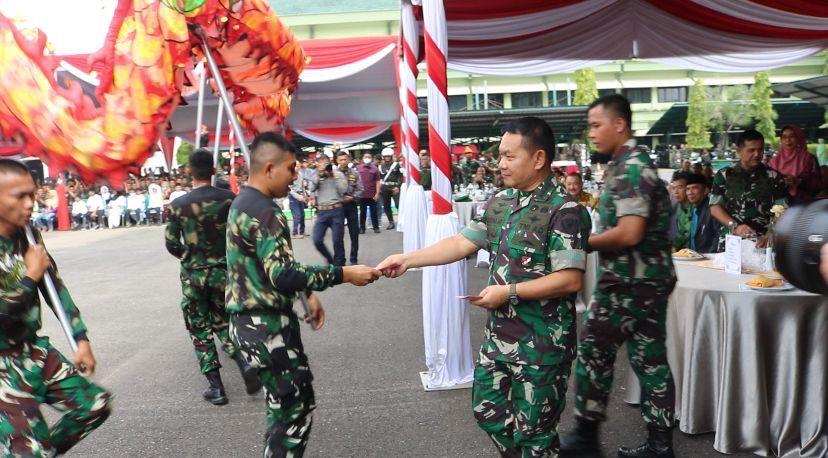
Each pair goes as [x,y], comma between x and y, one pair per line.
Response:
[603,92]
[672,94]
[457,103]
[495,102]
[527,100]
[638,95]
[558,98]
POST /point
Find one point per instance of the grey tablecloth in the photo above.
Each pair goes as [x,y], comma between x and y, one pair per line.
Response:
[466,211]
[753,367]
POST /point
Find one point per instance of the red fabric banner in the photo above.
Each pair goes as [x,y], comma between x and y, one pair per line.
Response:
[457,10]
[333,52]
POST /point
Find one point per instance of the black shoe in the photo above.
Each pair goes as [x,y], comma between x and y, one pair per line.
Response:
[252,384]
[376,230]
[362,231]
[214,394]
[659,445]
[390,226]
[582,441]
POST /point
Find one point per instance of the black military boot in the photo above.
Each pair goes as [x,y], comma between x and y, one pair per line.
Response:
[215,392]
[659,445]
[251,378]
[582,441]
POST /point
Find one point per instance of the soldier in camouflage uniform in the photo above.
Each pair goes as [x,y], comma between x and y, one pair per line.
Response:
[635,279]
[196,234]
[536,234]
[32,372]
[468,166]
[264,281]
[744,193]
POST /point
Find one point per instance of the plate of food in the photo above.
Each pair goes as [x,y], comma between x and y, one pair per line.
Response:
[686,254]
[768,283]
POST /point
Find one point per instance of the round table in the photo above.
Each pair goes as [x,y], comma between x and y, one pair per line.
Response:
[751,366]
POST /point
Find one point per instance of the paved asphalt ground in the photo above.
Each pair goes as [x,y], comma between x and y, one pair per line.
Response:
[366,361]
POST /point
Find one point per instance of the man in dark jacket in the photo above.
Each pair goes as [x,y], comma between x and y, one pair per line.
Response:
[703,235]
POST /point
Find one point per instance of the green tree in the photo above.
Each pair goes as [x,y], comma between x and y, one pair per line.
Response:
[763,112]
[698,119]
[182,155]
[729,108]
[586,91]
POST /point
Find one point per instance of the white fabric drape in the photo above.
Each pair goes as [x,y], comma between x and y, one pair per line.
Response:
[413,215]
[446,318]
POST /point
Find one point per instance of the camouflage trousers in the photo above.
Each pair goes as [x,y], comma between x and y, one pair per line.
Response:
[202,303]
[38,374]
[615,317]
[270,342]
[519,405]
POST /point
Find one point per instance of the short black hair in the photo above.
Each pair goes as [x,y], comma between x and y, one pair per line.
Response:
[695,178]
[201,164]
[12,166]
[748,136]
[343,152]
[271,138]
[618,105]
[681,176]
[536,134]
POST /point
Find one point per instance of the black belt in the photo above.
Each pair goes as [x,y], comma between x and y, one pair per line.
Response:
[328,207]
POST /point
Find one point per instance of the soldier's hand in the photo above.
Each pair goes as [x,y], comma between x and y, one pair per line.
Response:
[360,275]
[317,313]
[493,297]
[393,266]
[84,359]
[763,241]
[37,261]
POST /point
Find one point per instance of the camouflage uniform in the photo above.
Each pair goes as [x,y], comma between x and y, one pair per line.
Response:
[747,196]
[32,372]
[630,299]
[196,235]
[524,363]
[264,279]
[468,168]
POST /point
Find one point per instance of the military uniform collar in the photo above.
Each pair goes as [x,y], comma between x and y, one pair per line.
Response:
[545,190]
[738,168]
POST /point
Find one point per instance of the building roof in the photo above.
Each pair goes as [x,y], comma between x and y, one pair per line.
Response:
[796,112]
[814,90]
[303,7]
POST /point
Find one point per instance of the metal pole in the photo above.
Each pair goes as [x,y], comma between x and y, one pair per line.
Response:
[218,139]
[54,297]
[200,109]
[214,70]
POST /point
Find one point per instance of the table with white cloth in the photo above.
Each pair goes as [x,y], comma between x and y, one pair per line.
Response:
[751,366]
[466,211]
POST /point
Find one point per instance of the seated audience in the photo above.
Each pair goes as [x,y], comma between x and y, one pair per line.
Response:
[703,234]
[799,168]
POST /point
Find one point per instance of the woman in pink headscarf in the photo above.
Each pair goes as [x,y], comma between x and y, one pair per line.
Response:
[797,165]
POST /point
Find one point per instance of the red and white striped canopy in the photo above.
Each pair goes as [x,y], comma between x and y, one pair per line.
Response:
[535,37]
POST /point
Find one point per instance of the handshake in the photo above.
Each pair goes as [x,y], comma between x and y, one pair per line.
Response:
[391,267]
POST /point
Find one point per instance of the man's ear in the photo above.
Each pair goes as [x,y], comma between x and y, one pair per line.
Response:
[540,159]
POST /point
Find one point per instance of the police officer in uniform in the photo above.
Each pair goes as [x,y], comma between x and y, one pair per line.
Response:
[264,280]
[390,187]
[196,234]
[630,300]
[537,235]
[32,371]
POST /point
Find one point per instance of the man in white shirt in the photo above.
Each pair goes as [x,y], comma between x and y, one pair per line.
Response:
[79,213]
[95,205]
[116,210]
[177,193]
[136,204]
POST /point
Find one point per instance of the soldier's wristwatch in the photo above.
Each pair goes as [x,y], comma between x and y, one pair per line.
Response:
[514,300]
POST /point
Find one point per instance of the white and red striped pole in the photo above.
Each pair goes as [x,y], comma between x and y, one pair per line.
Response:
[439,128]
[445,317]
[411,127]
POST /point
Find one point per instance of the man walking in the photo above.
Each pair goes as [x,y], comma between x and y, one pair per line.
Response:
[370,177]
[32,372]
[196,234]
[391,179]
[330,186]
[630,300]
[264,282]
[538,235]
[349,200]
